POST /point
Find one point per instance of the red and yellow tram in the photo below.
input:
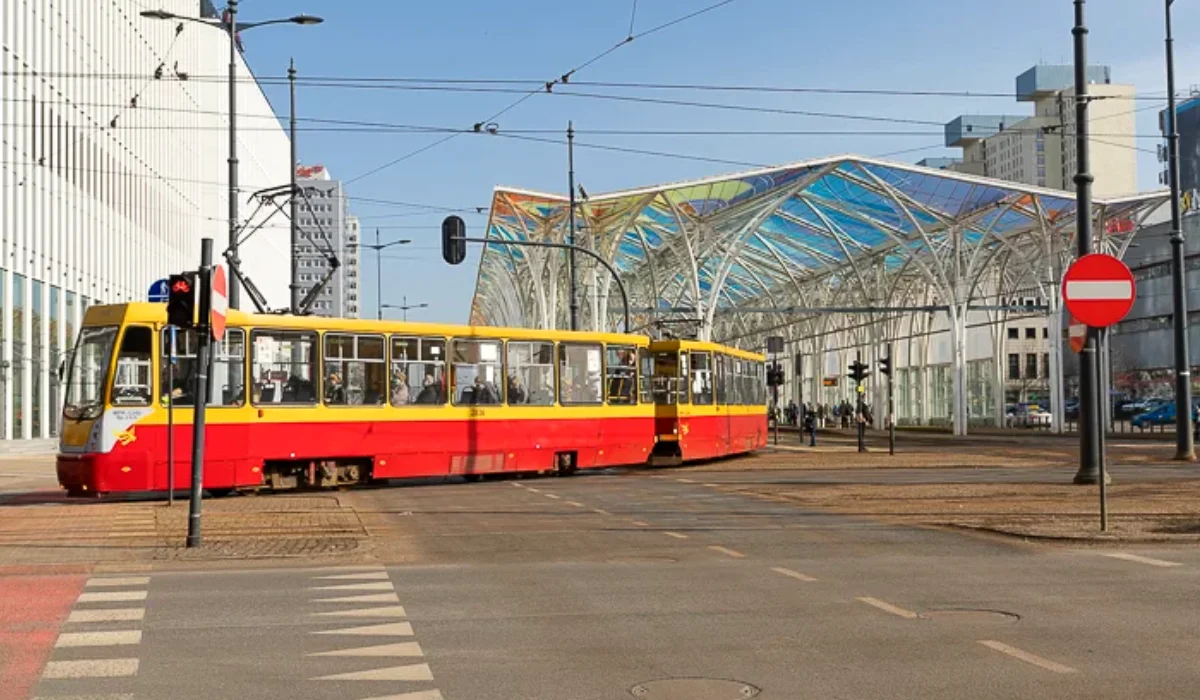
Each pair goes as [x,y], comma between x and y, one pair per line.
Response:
[318,402]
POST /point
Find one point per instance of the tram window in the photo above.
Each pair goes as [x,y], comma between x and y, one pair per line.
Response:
[530,373]
[354,370]
[285,367]
[418,371]
[683,394]
[645,376]
[580,371]
[476,372]
[666,368]
[722,382]
[227,383]
[132,382]
[701,379]
[621,374]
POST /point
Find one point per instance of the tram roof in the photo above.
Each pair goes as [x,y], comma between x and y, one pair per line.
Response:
[785,236]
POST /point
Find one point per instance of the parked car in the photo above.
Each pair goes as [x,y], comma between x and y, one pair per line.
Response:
[1163,413]
[1026,415]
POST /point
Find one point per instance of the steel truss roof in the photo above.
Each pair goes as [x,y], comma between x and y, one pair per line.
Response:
[739,254]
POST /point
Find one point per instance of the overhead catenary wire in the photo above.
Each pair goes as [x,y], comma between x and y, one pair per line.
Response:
[564,78]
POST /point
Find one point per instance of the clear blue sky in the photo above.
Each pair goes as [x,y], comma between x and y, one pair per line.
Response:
[916,45]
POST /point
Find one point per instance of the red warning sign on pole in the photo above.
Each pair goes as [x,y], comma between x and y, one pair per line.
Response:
[1098,290]
[220,303]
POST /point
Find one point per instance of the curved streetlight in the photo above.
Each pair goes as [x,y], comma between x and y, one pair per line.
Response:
[232,26]
[378,248]
[405,307]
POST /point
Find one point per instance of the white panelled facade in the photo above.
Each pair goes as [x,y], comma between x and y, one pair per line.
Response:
[111,176]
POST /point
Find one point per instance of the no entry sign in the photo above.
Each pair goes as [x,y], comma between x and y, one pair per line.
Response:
[1098,290]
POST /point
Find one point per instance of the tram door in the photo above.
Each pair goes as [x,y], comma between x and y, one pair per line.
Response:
[669,387]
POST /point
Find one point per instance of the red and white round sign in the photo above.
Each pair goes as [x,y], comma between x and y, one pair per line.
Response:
[220,303]
[1098,290]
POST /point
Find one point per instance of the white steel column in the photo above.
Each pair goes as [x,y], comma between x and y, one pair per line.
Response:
[999,366]
[1054,321]
[958,338]
[43,360]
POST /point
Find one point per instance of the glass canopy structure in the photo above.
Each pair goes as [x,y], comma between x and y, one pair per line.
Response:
[837,254]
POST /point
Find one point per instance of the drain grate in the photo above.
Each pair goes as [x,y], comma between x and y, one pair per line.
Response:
[693,689]
[972,616]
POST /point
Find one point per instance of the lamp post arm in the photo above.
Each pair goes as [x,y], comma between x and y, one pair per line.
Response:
[565,246]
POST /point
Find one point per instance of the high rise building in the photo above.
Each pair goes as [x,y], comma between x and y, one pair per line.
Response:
[1187,123]
[1040,149]
[109,178]
[327,229]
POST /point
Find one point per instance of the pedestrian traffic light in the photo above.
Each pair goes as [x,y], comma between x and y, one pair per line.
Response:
[885,366]
[454,240]
[181,300]
[858,370]
[774,375]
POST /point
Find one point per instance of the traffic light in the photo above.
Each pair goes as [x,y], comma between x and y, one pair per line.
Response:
[454,240]
[885,366]
[858,371]
[181,300]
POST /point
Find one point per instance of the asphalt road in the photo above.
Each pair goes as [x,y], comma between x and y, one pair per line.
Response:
[620,586]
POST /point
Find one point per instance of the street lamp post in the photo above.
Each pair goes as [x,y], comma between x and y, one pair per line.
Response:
[231,25]
[404,306]
[1185,448]
[378,248]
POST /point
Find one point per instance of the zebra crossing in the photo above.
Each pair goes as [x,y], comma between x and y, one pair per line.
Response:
[345,593]
[100,639]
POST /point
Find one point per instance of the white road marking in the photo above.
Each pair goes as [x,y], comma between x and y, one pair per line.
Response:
[369,598]
[99,639]
[676,535]
[418,695]
[685,481]
[601,511]
[577,504]
[98,668]
[115,696]
[116,582]
[794,574]
[530,489]
[639,523]
[415,672]
[389,611]
[1139,559]
[398,649]
[110,596]
[370,586]
[388,629]
[728,552]
[551,495]
[364,576]
[711,486]
[889,608]
[1098,290]
[1027,657]
[111,615]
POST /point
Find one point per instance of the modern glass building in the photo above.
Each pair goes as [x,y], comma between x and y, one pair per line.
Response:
[114,143]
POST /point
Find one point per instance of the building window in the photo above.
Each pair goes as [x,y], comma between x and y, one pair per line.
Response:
[1013,333]
[1014,366]
[1045,332]
[37,367]
[1046,365]
[1030,333]
[18,355]
[1031,366]
[56,357]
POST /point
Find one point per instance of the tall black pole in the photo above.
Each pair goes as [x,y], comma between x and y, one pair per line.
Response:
[171,417]
[571,223]
[1185,448]
[200,402]
[891,399]
[294,203]
[1089,413]
[234,295]
[378,277]
[859,417]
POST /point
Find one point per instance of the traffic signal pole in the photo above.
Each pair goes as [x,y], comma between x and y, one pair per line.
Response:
[200,398]
[889,370]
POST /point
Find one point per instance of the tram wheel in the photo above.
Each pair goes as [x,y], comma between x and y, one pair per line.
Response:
[472,478]
[220,493]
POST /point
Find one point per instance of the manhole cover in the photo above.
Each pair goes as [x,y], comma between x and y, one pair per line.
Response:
[693,689]
[972,616]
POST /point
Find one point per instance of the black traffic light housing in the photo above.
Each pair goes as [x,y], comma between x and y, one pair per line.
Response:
[858,371]
[885,366]
[774,375]
[454,240]
[181,300]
